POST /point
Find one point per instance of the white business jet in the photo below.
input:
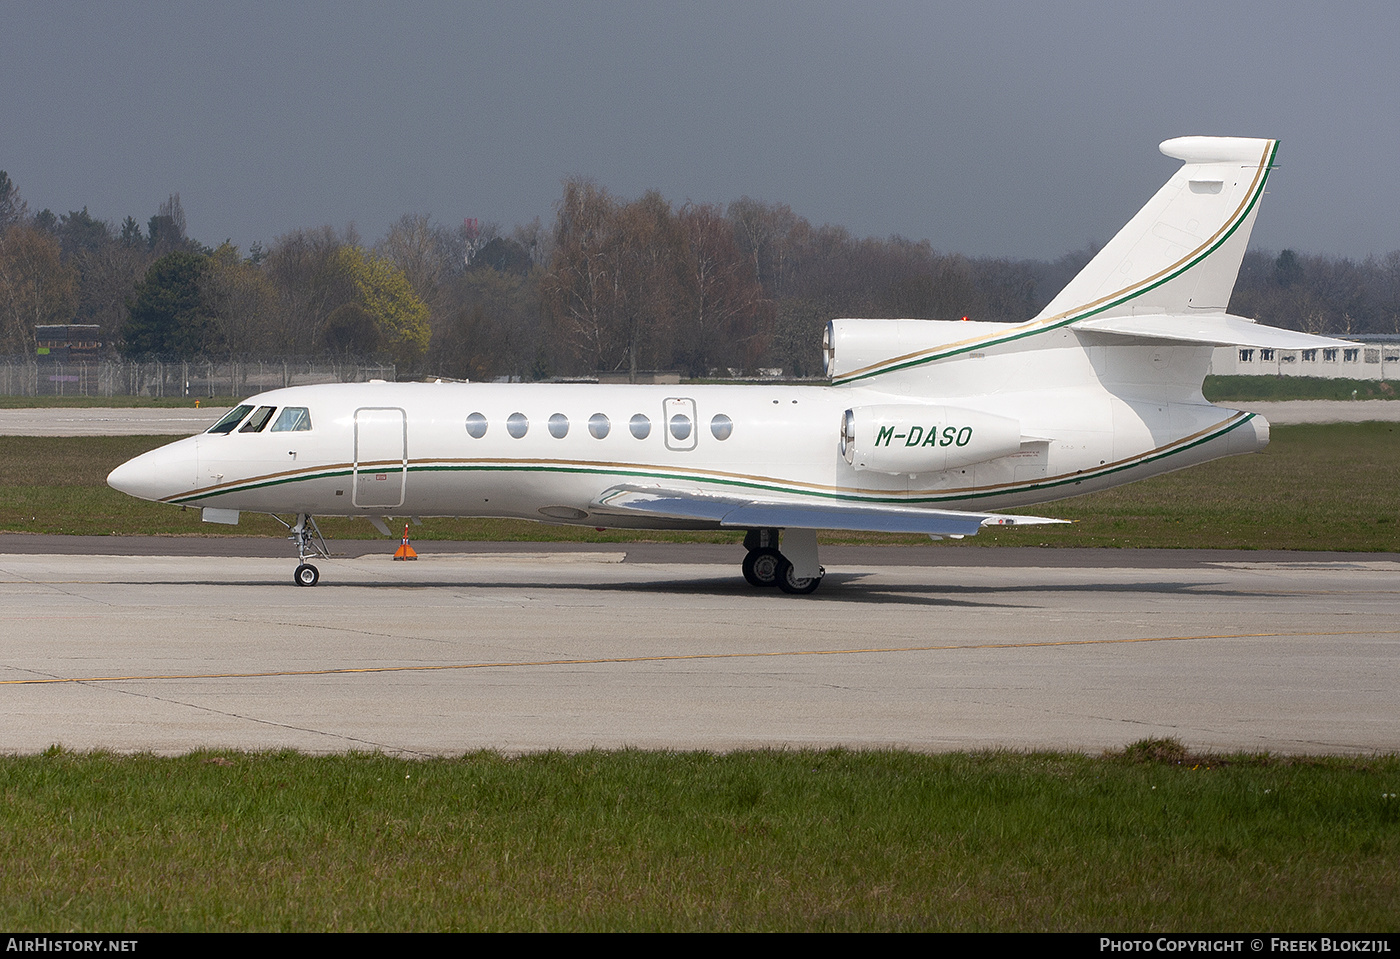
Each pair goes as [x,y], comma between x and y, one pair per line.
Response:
[927,427]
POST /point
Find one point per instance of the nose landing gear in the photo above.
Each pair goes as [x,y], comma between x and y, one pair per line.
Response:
[307,535]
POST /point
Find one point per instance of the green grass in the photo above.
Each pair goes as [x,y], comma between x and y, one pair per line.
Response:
[1149,840]
[1316,487]
[1217,389]
[1333,486]
[1225,389]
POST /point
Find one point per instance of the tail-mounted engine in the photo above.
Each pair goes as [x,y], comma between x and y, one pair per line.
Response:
[924,439]
[854,349]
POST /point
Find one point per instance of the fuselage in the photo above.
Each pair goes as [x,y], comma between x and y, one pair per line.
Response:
[547,452]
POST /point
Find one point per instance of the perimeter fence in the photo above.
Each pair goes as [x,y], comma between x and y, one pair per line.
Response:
[26,376]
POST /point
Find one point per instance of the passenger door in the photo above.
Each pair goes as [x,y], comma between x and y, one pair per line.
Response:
[381,458]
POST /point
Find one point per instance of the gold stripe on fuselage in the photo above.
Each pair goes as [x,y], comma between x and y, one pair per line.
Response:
[682,473]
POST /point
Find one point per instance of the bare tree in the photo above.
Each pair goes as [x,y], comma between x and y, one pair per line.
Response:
[721,301]
[303,268]
[36,287]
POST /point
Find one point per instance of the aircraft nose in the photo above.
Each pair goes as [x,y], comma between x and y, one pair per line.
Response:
[167,471]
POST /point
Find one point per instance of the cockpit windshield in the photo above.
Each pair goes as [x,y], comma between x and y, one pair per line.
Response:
[292,419]
[232,419]
[258,420]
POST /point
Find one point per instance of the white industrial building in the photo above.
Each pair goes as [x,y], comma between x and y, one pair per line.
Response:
[1372,358]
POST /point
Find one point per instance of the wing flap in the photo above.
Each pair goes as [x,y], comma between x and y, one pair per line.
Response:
[739,512]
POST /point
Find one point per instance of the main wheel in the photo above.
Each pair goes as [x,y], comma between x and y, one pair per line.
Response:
[789,583]
[761,566]
[306,575]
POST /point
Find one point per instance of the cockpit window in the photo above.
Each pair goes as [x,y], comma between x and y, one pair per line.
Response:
[258,420]
[293,419]
[232,419]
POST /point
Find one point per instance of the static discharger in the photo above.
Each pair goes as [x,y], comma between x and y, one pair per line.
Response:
[405,551]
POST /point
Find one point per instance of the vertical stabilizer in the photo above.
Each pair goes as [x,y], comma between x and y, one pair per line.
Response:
[1181,253]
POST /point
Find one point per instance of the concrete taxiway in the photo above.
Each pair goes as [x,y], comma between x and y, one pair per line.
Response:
[528,647]
[114,421]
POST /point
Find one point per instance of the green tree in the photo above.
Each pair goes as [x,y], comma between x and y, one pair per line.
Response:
[12,209]
[1287,269]
[491,325]
[167,314]
[386,295]
[351,331]
[503,256]
[131,233]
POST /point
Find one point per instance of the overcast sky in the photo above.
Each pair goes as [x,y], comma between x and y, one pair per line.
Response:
[1007,129]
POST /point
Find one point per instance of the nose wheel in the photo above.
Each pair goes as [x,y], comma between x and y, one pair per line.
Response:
[309,542]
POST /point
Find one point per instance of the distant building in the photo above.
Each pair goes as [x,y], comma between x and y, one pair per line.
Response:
[67,341]
[659,377]
[1371,357]
[62,352]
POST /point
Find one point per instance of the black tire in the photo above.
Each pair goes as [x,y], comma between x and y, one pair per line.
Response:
[789,583]
[761,567]
[306,575]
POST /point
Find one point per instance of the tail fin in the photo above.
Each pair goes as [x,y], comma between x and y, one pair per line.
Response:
[1181,253]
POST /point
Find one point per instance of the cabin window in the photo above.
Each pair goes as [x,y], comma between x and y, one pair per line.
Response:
[232,419]
[1310,356]
[721,426]
[1266,355]
[558,426]
[680,426]
[1246,356]
[258,420]
[1329,356]
[1349,356]
[599,425]
[293,419]
[640,426]
[517,424]
[476,425]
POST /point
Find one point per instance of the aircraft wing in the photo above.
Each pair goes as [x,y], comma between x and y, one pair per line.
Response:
[746,513]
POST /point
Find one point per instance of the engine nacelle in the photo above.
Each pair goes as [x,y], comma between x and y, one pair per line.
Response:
[924,439]
[850,345]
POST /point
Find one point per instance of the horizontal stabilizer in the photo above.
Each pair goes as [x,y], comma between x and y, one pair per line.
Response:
[743,513]
[1212,329]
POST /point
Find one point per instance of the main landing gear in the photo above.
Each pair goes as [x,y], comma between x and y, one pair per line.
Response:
[309,542]
[765,565]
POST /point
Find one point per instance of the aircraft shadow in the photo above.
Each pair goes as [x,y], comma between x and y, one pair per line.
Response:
[838,587]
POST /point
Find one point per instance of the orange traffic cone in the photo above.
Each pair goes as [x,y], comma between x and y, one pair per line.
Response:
[405,551]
